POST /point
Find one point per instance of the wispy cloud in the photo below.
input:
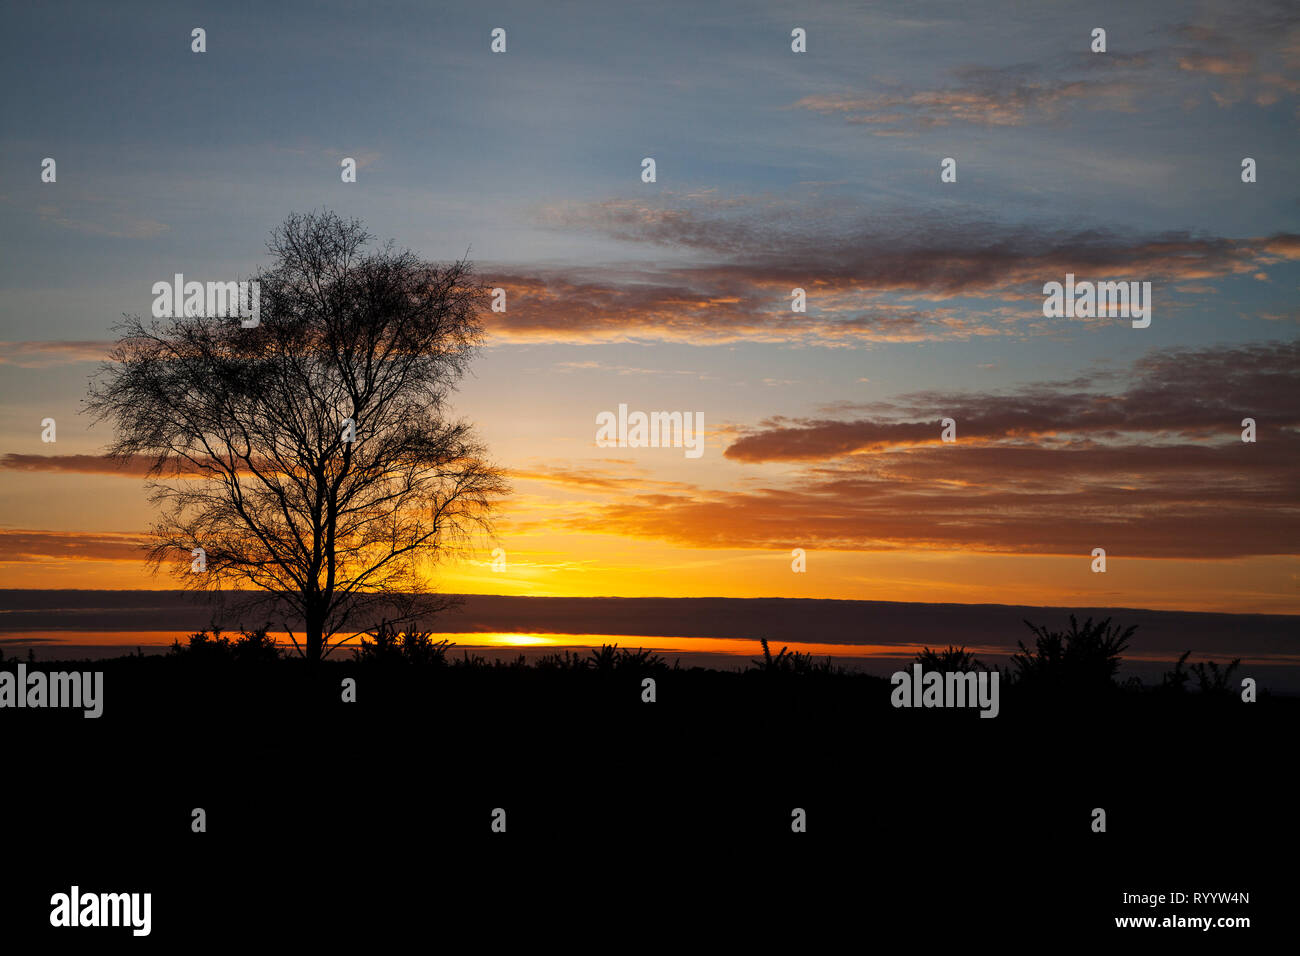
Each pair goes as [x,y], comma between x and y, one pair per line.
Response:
[980,96]
[48,354]
[892,279]
[1050,469]
[1180,393]
[100,217]
[71,545]
[1247,54]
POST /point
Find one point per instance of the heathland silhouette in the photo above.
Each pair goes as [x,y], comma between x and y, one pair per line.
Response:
[1069,671]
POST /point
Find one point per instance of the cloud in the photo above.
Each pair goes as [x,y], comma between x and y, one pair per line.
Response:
[1283,246]
[100,217]
[981,96]
[939,501]
[71,545]
[363,159]
[47,354]
[565,368]
[1157,470]
[135,467]
[76,464]
[608,477]
[896,278]
[1187,393]
[1252,54]
[1146,462]
[1238,64]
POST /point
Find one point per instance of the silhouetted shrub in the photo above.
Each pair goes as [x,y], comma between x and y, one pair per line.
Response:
[1175,681]
[389,645]
[1081,661]
[568,661]
[790,662]
[202,645]
[1214,681]
[254,647]
[251,647]
[951,659]
[612,658]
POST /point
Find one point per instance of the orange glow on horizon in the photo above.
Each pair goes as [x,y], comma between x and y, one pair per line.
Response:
[742,649]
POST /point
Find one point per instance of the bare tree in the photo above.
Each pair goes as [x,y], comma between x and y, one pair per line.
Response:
[311,456]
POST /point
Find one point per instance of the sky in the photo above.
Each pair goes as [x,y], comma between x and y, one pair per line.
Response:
[775,170]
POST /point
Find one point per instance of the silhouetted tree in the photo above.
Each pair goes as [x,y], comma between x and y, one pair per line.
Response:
[245,435]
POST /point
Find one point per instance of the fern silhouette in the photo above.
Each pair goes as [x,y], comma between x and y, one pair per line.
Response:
[790,662]
[1212,680]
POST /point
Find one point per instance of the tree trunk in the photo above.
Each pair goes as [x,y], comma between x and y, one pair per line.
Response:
[315,640]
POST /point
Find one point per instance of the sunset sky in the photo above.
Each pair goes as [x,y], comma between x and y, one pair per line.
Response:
[775,170]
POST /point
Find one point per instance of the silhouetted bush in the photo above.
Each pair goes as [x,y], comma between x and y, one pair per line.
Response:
[254,647]
[568,661]
[790,662]
[202,645]
[1175,681]
[251,647]
[389,645]
[949,660]
[1081,661]
[612,658]
[1211,680]
[1214,681]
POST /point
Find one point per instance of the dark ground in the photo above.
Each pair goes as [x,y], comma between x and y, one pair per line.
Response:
[327,819]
